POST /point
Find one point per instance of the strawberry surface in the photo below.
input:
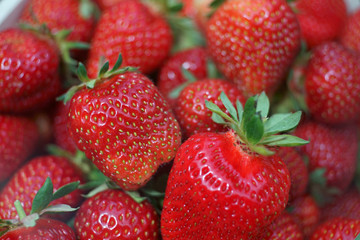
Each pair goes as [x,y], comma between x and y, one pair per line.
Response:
[337,228]
[350,36]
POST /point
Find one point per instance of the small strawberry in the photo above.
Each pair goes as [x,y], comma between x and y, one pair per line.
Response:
[113,214]
[350,36]
[190,109]
[221,185]
[24,184]
[123,124]
[253,42]
[29,76]
[337,228]
[132,29]
[320,21]
[332,84]
[19,138]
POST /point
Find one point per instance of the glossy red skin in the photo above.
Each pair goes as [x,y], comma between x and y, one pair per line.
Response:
[19,138]
[66,16]
[299,174]
[106,4]
[319,20]
[45,229]
[350,36]
[25,183]
[306,213]
[333,148]
[216,189]
[125,127]
[337,228]
[170,76]
[283,227]
[254,55]
[142,37]
[332,84]
[29,71]
[113,214]
[191,111]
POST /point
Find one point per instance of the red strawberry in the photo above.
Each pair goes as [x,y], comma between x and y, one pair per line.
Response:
[199,11]
[332,84]
[124,125]
[130,28]
[219,186]
[19,138]
[28,179]
[298,171]
[190,107]
[283,227]
[326,151]
[106,4]
[337,228]
[45,229]
[29,75]
[170,77]
[253,42]
[350,36]
[113,214]
[320,21]
[306,213]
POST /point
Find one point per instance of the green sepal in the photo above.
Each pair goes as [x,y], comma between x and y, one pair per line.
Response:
[82,73]
[136,196]
[240,110]
[217,118]
[283,140]
[65,190]
[249,109]
[30,220]
[43,197]
[104,69]
[174,5]
[188,75]
[262,150]
[254,129]
[229,106]
[263,105]
[118,63]
[87,9]
[77,45]
[282,122]
[68,95]
[215,109]
[216,3]
[190,78]
[357,237]
[58,208]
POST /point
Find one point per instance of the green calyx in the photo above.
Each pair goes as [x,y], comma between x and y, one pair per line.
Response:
[103,74]
[253,125]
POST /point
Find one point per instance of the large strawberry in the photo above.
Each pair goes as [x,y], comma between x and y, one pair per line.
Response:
[332,84]
[350,36]
[337,228]
[113,214]
[123,124]
[130,27]
[221,185]
[19,137]
[29,76]
[253,42]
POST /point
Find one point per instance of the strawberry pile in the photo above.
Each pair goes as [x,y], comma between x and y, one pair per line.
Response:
[180,119]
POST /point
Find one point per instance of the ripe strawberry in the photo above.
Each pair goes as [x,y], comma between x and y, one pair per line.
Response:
[332,84]
[19,138]
[130,28]
[190,109]
[27,180]
[124,125]
[113,214]
[171,77]
[337,228]
[29,71]
[45,229]
[253,42]
[298,171]
[319,20]
[106,4]
[350,36]
[220,186]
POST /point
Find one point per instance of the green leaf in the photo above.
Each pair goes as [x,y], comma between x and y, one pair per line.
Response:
[262,150]
[254,129]
[217,118]
[91,84]
[176,91]
[82,73]
[357,237]
[63,34]
[282,122]
[118,63]
[136,196]
[229,106]
[240,110]
[318,177]
[263,105]
[174,6]
[77,45]
[68,95]
[249,109]
[152,193]
[284,140]
[216,3]
[43,197]
[66,189]
[188,75]
[58,208]
[215,109]
[86,9]
[104,69]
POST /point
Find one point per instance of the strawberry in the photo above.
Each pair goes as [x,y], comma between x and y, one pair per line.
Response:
[24,184]
[29,71]
[123,124]
[106,4]
[132,29]
[326,152]
[229,185]
[337,228]
[170,76]
[350,36]
[319,20]
[113,214]
[19,138]
[253,42]
[298,171]
[332,84]
[190,107]
[199,11]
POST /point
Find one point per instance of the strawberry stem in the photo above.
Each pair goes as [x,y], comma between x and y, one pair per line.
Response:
[19,209]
